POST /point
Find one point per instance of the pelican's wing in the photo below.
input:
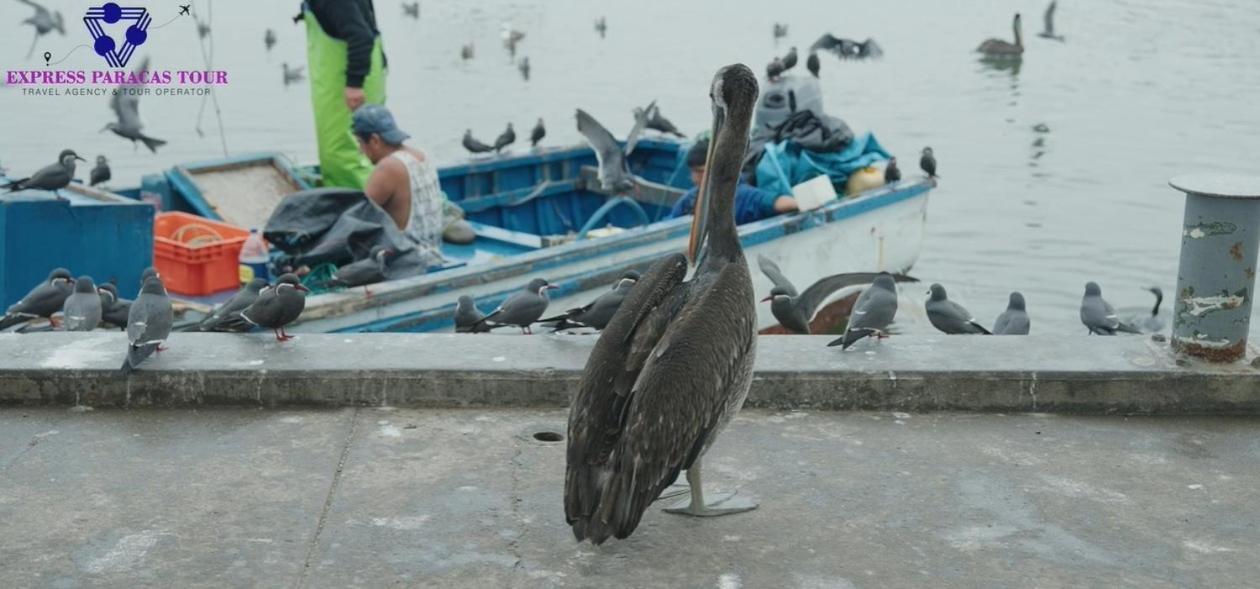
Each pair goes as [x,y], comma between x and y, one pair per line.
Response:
[640,123]
[607,152]
[598,415]
[771,270]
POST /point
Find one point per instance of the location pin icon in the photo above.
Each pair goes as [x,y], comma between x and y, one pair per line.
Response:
[47,57]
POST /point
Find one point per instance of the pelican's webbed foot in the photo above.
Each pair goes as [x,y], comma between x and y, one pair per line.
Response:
[722,504]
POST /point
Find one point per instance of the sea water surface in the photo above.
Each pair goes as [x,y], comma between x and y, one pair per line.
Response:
[1053,173]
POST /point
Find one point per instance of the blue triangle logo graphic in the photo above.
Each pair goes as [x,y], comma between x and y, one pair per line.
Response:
[110,13]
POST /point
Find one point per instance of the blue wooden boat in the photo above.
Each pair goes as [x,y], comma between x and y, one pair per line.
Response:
[538,214]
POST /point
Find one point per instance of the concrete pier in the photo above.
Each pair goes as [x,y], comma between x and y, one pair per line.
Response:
[1103,375]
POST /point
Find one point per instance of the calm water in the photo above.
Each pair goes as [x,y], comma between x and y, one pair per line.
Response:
[1141,91]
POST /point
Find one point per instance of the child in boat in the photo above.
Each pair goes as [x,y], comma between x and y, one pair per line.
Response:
[751,203]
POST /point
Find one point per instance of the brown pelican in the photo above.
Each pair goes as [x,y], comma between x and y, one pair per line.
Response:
[1004,49]
[675,363]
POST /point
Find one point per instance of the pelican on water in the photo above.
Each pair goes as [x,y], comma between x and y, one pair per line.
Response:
[674,365]
[1001,48]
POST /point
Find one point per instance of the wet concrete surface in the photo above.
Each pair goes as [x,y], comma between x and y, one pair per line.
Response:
[375,497]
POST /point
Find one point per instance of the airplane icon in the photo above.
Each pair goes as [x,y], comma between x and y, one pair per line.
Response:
[183,9]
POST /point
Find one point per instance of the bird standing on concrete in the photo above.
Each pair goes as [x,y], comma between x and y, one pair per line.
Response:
[82,309]
[1014,320]
[126,106]
[891,172]
[474,145]
[42,301]
[537,134]
[227,317]
[52,177]
[269,39]
[505,139]
[597,313]
[114,310]
[1099,316]
[813,64]
[927,162]
[44,22]
[873,312]
[523,308]
[278,306]
[794,311]
[468,318]
[148,323]
[101,173]
[950,317]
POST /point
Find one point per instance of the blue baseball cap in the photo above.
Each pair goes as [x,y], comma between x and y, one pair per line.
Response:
[376,119]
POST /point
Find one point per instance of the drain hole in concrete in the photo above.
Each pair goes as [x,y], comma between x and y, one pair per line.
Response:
[548,437]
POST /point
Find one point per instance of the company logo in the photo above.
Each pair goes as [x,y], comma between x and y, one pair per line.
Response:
[106,46]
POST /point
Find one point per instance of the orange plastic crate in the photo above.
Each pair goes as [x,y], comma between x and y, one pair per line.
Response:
[196,256]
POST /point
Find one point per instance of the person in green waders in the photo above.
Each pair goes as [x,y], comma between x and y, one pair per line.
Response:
[346,67]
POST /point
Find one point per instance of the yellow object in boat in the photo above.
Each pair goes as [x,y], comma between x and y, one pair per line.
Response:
[863,180]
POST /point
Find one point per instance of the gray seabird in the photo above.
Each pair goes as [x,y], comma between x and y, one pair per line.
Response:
[1149,322]
[226,317]
[872,313]
[1014,320]
[126,106]
[597,313]
[674,366]
[537,134]
[468,318]
[506,138]
[795,311]
[278,306]
[473,145]
[42,301]
[1099,316]
[52,177]
[950,317]
[148,323]
[44,22]
[114,310]
[1049,33]
[292,74]
[269,39]
[657,122]
[82,309]
[523,308]
[101,172]
[369,270]
[614,173]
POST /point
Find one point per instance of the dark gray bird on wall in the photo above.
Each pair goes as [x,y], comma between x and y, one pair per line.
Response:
[597,313]
[1014,320]
[473,145]
[277,306]
[114,310]
[523,308]
[795,311]
[148,323]
[872,313]
[468,318]
[927,162]
[227,317]
[82,309]
[950,317]
[369,270]
[101,173]
[43,300]
[674,365]
[52,177]
[505,139]
[1099,316]
[891,172]
[126,106]
[536,136]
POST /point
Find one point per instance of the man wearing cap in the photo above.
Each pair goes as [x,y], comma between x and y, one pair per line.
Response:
[403,182]
[751,203]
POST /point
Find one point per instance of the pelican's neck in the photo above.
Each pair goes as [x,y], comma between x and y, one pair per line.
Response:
[1019,37]
[722,181]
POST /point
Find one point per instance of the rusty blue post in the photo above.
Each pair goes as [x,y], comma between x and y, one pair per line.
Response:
[1217,276]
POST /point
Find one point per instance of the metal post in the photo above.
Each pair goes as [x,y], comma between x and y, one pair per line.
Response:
[1217,276]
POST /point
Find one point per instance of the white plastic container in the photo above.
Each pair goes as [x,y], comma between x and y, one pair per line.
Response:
[254,257]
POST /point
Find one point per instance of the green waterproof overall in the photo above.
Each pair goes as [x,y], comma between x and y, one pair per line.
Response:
[340,161]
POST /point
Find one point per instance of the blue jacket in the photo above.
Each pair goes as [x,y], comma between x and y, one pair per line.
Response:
[751,204]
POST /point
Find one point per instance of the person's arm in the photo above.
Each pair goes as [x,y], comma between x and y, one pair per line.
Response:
[755,204]
[384,182]
[684,204]
[350,25]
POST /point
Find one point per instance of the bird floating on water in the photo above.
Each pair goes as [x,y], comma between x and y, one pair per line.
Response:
[101,173]
[82,309]
[537,134]
[795,311]
[126,106]
[148,323]
[1003,49]
[52,177]
[44,22]
[1099,316]
[848,48]
[950,317]
[1014,320]
[597,313]
[872,313]
[674,365]
[45,299]
[523,308]
[1049,33]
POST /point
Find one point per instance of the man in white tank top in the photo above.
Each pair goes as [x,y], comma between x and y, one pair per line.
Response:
[403,182]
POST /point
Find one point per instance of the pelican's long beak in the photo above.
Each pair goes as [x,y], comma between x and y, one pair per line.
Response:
[700,213]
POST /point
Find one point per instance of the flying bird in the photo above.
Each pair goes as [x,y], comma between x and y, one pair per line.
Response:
[52,177]
[523,308]
[795,311]
[126,106]
[872,313]
[412,10]
[100,174]
[227,317]
[950,317]
[468,318]
[658,122]
[1049,33]
[45,299]
[1001,48]
[44,22]
[614,172]
[473,145]
[523,66]
[148,323]
[927,162]
[293,74]
[812,64]
[789,60]
[1099,316]
[506,138]
[1014,320]
[674,365]
[601,27]
[538,133]
[780,31]
[466,52]
[82,309]
[597,313]
[511,37]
